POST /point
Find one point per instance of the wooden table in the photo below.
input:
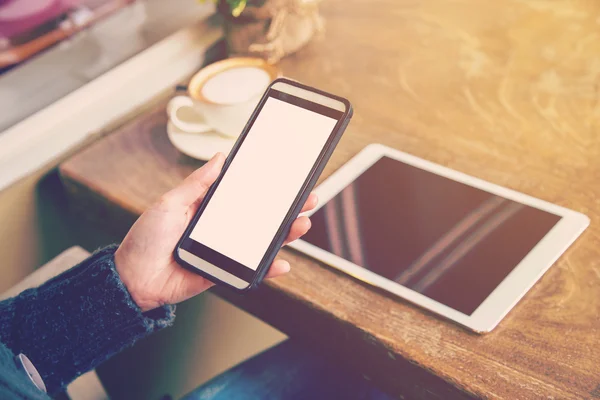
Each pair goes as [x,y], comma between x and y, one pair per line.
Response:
[505,91]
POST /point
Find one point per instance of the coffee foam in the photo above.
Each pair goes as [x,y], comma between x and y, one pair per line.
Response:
[236,85]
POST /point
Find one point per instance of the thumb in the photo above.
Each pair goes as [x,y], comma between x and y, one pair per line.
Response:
[197,183]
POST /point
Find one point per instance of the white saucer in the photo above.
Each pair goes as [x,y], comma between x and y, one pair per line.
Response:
[199,145]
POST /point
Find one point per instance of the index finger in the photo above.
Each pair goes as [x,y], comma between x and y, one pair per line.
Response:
[311,202]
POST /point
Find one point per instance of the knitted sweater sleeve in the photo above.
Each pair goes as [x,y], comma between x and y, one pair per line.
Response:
[77,320]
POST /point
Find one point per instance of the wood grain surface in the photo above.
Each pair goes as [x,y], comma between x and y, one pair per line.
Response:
[504,91]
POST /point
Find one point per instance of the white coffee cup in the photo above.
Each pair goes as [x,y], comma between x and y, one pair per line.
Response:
[222,96]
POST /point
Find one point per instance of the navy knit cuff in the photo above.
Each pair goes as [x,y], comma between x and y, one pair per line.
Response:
[77,320]
[153,320]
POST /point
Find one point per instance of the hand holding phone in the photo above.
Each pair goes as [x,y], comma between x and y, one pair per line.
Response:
[144,260]
[247,213]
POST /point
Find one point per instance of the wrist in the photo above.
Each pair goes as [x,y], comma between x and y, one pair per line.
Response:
[127,275]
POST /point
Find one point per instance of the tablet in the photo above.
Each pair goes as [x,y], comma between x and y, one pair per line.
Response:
[456,245]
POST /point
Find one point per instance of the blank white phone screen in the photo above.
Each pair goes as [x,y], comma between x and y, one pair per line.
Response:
[264,178]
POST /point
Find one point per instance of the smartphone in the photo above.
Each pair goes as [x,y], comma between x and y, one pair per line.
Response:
[269,173]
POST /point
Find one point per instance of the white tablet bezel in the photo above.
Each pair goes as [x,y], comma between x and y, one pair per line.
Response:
[507,293]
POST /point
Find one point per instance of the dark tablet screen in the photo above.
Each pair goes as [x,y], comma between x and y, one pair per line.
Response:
[444,239]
